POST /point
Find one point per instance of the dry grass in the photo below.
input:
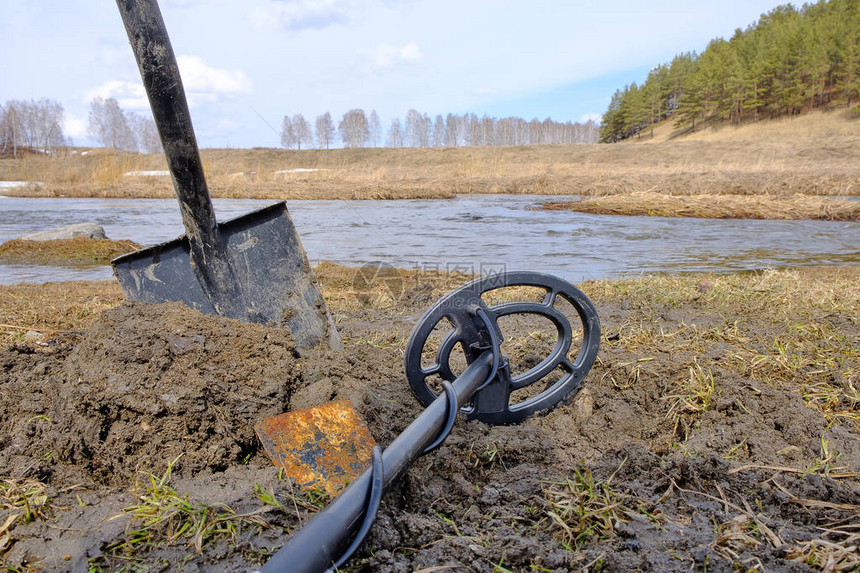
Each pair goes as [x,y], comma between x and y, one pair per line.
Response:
[794,329]
[78,251]
[817,154]
[53,308]
[797,330]
[162,516]
[716,206]
[351,289]
[22,500]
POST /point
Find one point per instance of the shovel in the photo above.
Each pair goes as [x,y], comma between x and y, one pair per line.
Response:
[252,268]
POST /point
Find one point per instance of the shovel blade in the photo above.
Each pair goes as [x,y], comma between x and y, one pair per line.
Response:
[325,446]
[270,264]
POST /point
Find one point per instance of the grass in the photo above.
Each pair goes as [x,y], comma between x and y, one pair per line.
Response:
[795,329]
[350,289]
[693,396]
[814,154]
[836,550]
[21,501]
[52,309]
[78,251]
[162,516]
[582,508]
[715,206]
[26,497]
[792,329]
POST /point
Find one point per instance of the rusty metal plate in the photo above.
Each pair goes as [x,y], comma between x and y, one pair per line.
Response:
[325,446]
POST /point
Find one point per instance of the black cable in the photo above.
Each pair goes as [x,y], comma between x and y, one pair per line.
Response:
[375,495]
[370,510]
[453,407]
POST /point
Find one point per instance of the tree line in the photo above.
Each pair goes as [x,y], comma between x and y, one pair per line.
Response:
[31,125]
[790,61]
[37,125]
[358,129]
[122,130]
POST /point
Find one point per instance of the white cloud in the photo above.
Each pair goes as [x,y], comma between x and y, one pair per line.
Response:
[74,126]
[388,56]
[129,95]
[201,79]
[295,15]
[595,117]
[202,83]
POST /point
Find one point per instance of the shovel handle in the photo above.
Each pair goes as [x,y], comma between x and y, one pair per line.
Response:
[160,73]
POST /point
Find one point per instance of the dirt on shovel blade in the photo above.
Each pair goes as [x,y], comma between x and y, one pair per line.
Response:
[718,431]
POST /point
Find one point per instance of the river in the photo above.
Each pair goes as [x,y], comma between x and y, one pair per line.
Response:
[475,233]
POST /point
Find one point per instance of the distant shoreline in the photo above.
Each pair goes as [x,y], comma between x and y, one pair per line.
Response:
[805,159]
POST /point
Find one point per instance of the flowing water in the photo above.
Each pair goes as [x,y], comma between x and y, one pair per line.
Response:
[475,233]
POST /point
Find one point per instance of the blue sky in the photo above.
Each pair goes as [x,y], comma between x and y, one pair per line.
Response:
[247,63]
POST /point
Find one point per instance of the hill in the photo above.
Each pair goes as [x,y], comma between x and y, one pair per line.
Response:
[788,63]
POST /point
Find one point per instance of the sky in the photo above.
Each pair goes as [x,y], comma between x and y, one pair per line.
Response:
[245,64]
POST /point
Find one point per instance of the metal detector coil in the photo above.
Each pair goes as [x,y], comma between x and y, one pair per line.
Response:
[475,328]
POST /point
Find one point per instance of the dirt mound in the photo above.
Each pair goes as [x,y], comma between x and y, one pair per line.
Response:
[146,384]
[717,430]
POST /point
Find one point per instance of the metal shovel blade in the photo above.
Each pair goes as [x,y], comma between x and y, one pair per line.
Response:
[252,268]
[268,259]
[325,446]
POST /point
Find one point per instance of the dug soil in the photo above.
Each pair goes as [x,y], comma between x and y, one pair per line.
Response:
[698,450]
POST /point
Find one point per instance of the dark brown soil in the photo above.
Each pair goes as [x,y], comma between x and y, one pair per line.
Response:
[741,484]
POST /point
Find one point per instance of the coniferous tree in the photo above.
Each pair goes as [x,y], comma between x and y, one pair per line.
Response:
[790,61]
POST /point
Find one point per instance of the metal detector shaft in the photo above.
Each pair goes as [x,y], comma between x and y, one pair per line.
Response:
[314,548]
[160,73]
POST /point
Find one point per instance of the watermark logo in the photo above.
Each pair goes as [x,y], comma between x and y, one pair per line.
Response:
[382,278]
[379,282]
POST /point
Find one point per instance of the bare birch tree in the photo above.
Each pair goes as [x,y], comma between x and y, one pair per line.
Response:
[353,128]
[145,131]
[395,134]
[288,133]
[302,130]
[375,129]
[110,126]
[325,130]
[35,124]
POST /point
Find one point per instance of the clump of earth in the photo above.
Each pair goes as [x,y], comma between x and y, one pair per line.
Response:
[94,416]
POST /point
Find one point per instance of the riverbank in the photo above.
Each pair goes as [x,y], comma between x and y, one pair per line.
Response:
[794,207]
[817,154]
[709,392]
[78,251]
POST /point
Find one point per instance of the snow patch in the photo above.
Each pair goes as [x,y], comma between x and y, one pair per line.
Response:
[147,174]
[14,184]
